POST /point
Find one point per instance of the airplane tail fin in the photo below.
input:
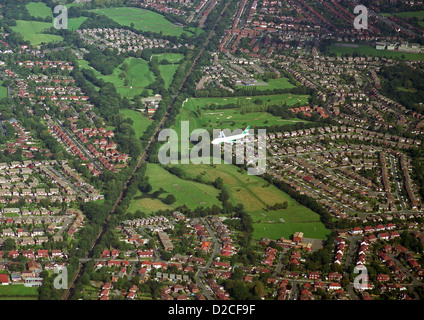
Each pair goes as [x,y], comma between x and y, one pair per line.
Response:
[246,131]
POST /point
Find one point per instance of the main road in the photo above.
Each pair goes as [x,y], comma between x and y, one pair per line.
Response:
[71,288]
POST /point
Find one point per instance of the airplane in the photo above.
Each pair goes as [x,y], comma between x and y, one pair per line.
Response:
[232,139]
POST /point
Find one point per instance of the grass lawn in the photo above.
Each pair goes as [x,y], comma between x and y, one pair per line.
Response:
[192,194]
[18,292]
[140,121]
[167,72]
[406,14]
[281,83]
[39,9]
[171,57]
[32,31]
[75,23]
[232,118]
[144,20]
[139,75]
[371,51]
[255,194]
[3,91]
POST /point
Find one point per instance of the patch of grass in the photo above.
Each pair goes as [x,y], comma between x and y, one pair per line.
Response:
[75,23]
[191,194]
[142,19]
[281,83]
[233,118]
[140,121]
[32,31]
[171,57]
[167,72]
[255,194]
[3,91]
[139,76]
[39,9]
[371,51]
[18,292]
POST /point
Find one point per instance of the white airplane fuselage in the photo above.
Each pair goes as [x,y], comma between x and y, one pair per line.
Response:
[229,139]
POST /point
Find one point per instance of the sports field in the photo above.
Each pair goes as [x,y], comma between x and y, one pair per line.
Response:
[139,76]
[192,194]
[18,292]
[371,51]
[140,121]
[255,194]
[142,19]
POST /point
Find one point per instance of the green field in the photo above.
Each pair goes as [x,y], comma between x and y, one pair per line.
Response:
[233,118]
[191,194]
[140,122]
[75,23]
[139,75]
[142,19]
[18,292]
[171,57]
[281,83]
[167,72]
[255,194]
[39,9]
[371,51]
[32,31]
[3,91]
[406,14]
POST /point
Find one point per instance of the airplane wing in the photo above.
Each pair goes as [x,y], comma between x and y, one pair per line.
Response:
[221,134]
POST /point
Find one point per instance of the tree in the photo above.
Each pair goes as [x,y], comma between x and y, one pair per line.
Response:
[9,244]
[170,199]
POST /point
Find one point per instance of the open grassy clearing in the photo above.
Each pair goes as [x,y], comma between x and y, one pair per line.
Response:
[142,19]
[192,194]
[3,91]
[406,14]
[167,72]
[32,31]
[138,73]
[75,23]
[371,51]
[171,57]
[18,292]
[255,194]
[39,9]
[281,83]
[140,121]
[233,118]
